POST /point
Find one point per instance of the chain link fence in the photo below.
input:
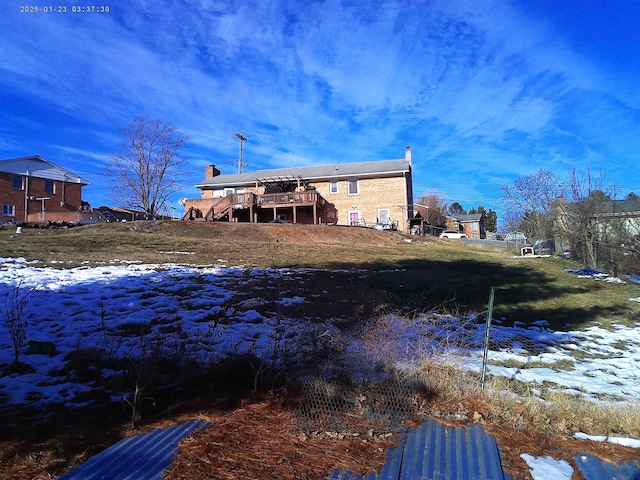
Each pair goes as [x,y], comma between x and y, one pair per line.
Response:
[533,358]
[356,407]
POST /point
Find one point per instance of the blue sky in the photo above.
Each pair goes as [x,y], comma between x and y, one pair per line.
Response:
[483,91]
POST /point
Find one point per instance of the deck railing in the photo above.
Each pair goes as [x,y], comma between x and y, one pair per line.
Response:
[243,199]
[307,197]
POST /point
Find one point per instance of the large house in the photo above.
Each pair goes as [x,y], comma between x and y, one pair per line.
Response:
[33,189]
[374,194]
[471,224]
[601,232]
[599,218]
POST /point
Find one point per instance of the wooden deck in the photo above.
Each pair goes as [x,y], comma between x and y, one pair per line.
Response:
[254,208]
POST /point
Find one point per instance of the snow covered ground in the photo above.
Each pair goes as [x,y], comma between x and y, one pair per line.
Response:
[75,308]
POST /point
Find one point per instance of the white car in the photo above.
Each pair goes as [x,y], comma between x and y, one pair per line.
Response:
[453,234]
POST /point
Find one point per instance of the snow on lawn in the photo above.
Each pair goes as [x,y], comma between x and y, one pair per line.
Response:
[67,305]
[545,468]
[76,308]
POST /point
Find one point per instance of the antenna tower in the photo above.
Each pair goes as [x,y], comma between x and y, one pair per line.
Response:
[242,139]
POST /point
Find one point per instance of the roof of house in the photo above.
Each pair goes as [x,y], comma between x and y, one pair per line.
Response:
[319,172]
[471,217]
[36,166]
[628,205]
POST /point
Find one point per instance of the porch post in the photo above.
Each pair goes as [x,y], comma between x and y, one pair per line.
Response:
[295,214]
[315,214]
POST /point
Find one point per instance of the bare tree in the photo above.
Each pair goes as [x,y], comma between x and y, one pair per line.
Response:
[456,209]
[15,305]
[532,199]
[147,170]
[432,208]
[589,222]
[510,221]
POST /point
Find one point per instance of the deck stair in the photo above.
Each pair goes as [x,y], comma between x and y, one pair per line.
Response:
[219,209]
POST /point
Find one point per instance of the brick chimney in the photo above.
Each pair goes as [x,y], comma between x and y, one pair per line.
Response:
[211,171]
[407,154]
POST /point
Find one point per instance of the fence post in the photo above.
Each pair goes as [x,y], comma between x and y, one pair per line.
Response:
[486,339]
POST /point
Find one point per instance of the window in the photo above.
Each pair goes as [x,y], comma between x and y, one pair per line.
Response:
[18,182]
[8,210]
[474,225]
[228,191]
[49,186]
[353,187]
[333,186]
[383,216]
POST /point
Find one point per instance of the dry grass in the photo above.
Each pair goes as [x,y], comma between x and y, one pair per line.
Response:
[502,402]
[421,275]
[378,272]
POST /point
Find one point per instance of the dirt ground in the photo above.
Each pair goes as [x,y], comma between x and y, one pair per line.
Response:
[257,437]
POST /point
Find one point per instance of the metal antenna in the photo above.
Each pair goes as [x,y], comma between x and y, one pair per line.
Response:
[242,139]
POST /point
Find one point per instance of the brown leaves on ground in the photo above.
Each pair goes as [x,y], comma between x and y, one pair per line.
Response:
[262,441]
[258,437]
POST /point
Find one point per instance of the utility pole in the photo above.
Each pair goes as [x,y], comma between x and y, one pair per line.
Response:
[242,139]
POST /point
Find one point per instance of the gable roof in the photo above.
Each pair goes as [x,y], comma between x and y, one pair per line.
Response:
[628,205]
[319,172]
[471,217]
[36,166]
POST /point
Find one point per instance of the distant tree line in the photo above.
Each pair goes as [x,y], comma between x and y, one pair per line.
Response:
[580,213]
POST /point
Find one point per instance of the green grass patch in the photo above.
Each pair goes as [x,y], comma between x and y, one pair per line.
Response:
[368,269]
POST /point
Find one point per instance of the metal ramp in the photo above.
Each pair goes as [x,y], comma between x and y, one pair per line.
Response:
[592,468]
[144,457]
[435,451]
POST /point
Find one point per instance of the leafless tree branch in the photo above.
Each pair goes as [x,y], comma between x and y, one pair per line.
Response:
[148,167]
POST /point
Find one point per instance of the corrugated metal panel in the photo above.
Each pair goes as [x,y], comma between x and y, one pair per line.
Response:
[592,468]
[437,452]
[145,456]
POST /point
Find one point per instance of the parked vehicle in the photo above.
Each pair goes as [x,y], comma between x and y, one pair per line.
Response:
[544,246]
[453,234]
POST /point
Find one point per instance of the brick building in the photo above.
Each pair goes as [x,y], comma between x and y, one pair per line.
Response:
[471,224]
[33,189]
[375,194]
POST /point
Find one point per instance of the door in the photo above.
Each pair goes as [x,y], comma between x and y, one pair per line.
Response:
[354,218]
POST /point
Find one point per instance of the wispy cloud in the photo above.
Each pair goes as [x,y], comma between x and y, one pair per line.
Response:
[481,90]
